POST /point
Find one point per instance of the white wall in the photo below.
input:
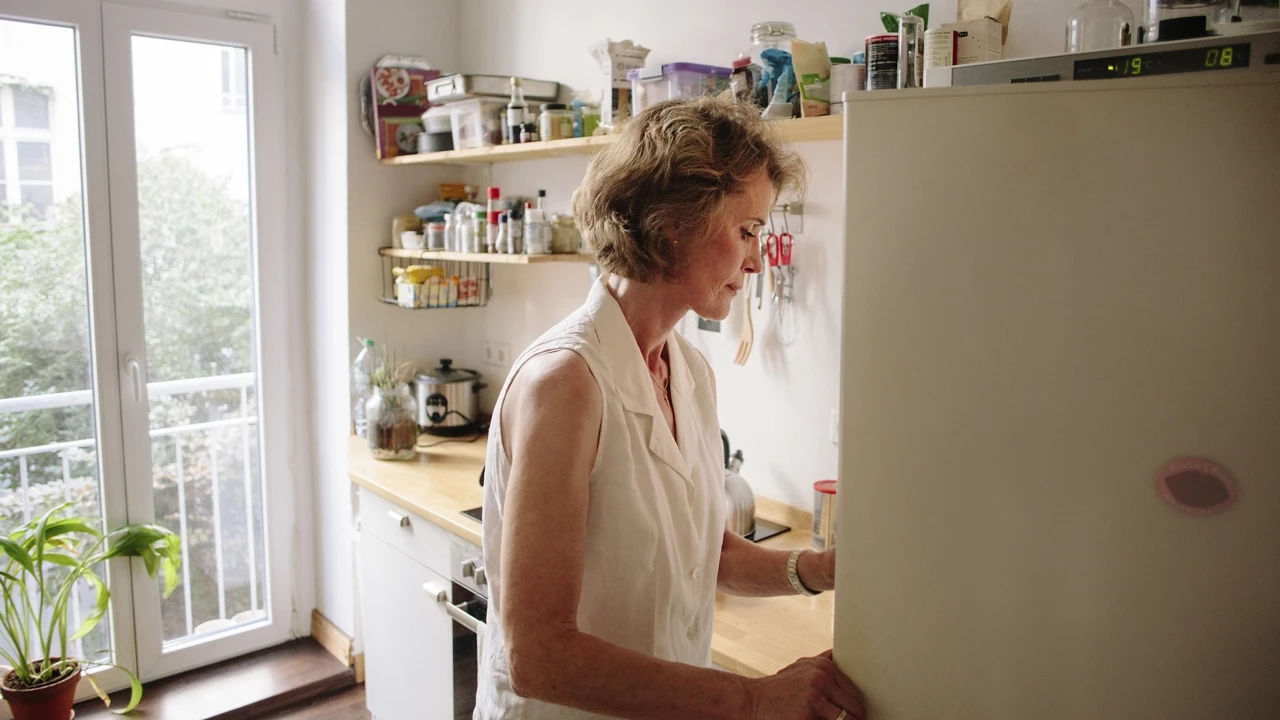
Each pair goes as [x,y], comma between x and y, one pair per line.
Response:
[779,407]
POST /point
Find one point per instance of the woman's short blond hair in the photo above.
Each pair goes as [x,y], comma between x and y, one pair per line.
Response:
[667,176]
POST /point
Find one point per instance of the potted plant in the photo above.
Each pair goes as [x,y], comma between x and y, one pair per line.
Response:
[43,561]
[391,411]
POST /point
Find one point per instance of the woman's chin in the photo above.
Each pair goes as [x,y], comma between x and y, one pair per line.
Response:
[715,311]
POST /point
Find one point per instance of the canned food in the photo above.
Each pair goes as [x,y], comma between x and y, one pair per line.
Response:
[882,62]
[824,514]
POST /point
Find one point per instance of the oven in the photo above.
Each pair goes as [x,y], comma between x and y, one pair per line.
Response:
[466,603]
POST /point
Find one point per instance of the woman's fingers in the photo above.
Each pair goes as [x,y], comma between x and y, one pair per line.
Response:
[840,689]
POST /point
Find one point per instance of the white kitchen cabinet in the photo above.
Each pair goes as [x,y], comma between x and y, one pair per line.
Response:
[408,637]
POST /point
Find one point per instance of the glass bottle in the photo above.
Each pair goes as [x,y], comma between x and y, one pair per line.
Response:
[516,110]
[361,381]
[393,430]
[479,228]
[1099,25]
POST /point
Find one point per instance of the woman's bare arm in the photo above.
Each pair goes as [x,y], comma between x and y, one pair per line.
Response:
[748,569]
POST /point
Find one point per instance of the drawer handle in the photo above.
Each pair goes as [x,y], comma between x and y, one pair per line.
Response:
[399,518]
[458,614]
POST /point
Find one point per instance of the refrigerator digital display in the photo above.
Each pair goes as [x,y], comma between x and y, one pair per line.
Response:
[1218,57]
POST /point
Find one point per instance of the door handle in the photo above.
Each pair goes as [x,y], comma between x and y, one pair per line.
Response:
[462,617]
[399,518]
[135,375]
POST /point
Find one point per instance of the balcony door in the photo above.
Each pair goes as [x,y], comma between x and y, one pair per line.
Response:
[143,373]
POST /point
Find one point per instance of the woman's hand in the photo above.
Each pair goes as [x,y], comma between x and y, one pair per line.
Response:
[811,688]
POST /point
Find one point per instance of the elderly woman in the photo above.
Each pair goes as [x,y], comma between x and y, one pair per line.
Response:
[604,490]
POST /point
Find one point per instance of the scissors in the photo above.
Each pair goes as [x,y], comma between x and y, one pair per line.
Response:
[778,251]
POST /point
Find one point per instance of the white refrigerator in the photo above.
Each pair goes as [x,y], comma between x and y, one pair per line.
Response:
[1059,489]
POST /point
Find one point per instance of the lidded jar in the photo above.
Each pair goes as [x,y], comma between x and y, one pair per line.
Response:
[1099,25]
[770,34]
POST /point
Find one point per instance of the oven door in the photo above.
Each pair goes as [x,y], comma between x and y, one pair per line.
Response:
[467,609]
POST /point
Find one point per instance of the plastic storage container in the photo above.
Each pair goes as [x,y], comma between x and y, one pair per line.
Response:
[437,124]
[476,122]
[675,80]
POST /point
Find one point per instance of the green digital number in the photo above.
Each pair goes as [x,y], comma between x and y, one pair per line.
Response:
[1135,66]
[1211,58]
[1225,60]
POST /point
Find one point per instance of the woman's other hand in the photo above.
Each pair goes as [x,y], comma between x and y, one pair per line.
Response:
[811,688]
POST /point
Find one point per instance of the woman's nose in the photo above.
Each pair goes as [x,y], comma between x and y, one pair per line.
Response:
[753,263]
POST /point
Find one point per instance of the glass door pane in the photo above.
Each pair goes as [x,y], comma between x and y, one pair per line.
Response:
[192,138]
[50,449]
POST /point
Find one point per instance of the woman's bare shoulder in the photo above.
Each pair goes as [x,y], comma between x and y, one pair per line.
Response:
[553,392]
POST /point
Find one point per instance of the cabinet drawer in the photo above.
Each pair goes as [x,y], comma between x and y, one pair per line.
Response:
[422,540]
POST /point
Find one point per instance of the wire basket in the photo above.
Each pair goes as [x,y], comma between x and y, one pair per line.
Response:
[453,284]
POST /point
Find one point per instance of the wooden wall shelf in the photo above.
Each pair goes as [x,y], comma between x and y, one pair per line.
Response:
[492,258]
[830,127]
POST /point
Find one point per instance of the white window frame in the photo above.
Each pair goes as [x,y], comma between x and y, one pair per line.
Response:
[276,359]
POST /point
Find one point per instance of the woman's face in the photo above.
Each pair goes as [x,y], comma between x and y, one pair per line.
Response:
[715,269]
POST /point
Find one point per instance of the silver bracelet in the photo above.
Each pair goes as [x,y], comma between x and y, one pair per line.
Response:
[793,576]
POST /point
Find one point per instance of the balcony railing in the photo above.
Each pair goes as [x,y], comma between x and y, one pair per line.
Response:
[203,432]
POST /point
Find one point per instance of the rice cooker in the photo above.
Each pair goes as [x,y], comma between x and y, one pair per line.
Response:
[447,399]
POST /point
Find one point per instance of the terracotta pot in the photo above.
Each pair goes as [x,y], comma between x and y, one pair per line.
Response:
[52,700]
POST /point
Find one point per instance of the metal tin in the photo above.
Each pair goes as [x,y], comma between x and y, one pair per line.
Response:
[824,514]
[462,86]
[882,62]
[447,398]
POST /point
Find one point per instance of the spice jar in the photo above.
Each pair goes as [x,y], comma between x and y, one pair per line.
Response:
[555,122]
[565,237]
[393,431]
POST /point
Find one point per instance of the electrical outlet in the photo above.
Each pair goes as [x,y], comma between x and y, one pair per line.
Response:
[496,353]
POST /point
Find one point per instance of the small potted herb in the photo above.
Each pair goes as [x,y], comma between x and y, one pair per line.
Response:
[43,561]
[391,412]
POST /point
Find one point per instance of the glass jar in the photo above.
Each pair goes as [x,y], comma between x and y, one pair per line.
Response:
[770,34]
[392,427]
[555,122]
[1215,12]
[1099,25]
[565,237]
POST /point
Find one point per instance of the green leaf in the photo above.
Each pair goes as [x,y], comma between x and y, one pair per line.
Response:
[69,525]
[61,559]
[17,554]
[101,598]
[135,687]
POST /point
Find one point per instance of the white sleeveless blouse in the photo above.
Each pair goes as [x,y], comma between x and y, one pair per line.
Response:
[655,517]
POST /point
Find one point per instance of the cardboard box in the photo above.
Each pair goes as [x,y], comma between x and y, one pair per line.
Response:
[399,99]
[977,40]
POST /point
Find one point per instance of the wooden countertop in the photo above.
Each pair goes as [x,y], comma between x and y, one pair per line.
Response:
[752,636]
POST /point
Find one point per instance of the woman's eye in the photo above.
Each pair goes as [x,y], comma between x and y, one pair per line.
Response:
[747,234]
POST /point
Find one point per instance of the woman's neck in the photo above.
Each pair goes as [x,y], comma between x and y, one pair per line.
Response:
[651,312]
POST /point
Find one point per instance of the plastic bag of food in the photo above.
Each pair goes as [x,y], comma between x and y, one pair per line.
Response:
[813,77]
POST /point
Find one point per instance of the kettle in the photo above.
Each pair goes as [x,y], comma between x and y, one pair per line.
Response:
[740,502]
